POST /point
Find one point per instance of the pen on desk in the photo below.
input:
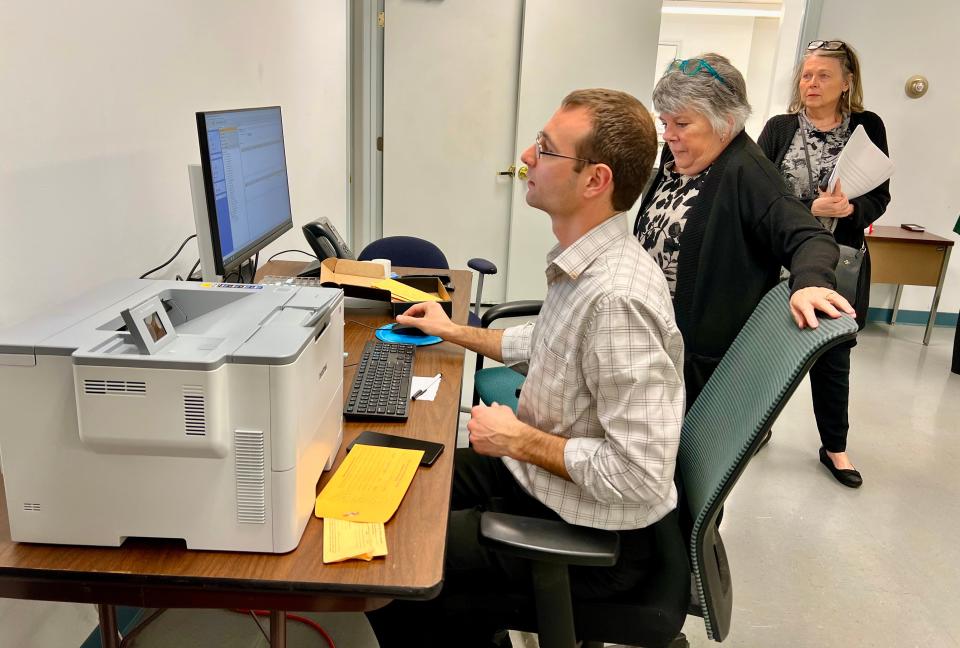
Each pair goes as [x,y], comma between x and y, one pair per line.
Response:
[420,392]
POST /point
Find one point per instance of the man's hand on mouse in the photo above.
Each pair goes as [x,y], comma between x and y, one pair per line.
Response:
[429,317]
[411,331]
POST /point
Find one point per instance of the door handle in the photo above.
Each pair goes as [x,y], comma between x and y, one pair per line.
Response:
[522,172]
[509,172]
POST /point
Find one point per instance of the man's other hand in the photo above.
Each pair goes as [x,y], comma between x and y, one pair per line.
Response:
[496,431]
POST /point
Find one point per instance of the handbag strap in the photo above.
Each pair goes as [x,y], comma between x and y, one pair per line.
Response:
[806,153]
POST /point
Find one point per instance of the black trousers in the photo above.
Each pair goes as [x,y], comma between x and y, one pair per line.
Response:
[475,574]
[830,386]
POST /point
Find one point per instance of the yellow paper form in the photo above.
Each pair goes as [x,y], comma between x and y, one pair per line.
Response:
[369,484]
[345,540]
[404,292]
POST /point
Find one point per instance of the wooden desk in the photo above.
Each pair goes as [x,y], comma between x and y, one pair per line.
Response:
[156,573]
[909,258]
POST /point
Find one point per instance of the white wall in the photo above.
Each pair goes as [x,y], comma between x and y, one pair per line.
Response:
[749,43]
[791,25]
[98,127]
[759,72]
[727,35]
[897,41]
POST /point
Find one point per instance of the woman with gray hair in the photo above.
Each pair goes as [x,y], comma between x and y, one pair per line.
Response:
[720,221]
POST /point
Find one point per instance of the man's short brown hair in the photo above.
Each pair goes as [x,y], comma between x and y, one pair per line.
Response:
[623,138]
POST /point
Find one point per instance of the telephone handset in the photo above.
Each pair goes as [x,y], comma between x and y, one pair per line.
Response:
[326,242]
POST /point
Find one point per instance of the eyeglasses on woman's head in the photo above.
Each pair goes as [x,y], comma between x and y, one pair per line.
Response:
[691,67]
[829,45]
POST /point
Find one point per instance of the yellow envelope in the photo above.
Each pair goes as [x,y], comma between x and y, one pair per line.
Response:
[369,484]
[404,292]
[345,540]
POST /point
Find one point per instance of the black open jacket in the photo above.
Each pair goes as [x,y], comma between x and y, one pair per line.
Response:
[743,227]
[775,141]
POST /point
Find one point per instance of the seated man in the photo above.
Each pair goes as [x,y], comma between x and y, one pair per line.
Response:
[595,437]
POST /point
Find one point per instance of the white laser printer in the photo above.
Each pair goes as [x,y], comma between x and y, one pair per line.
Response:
[216,432]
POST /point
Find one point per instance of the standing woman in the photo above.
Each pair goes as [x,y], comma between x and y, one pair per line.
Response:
[720,222]
[826,107]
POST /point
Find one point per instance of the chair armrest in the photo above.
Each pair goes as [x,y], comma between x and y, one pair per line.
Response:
[519,308]
[483,266]
[549,540]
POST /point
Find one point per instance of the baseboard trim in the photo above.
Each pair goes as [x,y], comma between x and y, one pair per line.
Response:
[911,317]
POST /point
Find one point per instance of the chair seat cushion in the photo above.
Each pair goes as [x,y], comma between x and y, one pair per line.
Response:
[498,384]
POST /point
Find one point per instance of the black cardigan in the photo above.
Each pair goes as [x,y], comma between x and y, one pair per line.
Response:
[743,227]
[775,140]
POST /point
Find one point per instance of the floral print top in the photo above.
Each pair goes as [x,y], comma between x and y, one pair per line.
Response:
[824,148]
[660,225]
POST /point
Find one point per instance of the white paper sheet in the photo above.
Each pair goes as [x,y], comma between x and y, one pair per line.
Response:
[861,167]
[430,385]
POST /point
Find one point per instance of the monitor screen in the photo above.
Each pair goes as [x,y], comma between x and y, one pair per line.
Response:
[245,180]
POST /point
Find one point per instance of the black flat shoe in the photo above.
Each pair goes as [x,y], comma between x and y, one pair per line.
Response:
[847,476]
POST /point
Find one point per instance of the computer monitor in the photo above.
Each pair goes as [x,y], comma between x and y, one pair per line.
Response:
[245,181]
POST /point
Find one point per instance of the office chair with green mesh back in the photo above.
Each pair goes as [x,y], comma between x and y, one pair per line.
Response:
[721,432]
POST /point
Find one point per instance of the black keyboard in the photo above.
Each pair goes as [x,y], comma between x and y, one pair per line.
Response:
[381,387]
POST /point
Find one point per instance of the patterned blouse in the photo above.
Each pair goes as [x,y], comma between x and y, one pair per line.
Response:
[661,224]
[824,149]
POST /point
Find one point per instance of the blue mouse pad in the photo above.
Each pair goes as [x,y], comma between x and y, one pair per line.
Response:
[384,333]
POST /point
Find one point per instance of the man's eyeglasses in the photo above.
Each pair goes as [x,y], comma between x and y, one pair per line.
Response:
[830,46]
[541,152]
[691,67]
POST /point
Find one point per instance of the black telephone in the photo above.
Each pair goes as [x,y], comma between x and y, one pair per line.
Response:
[326,242]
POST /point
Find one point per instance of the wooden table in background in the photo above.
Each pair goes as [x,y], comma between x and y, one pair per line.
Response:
[160,573]
[909,258]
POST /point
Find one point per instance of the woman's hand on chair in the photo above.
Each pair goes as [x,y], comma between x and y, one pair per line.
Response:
[806,301]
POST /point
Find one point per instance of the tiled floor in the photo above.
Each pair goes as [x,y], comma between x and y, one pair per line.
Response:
[814,564]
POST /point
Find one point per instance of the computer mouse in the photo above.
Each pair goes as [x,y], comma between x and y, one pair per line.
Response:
[413,331]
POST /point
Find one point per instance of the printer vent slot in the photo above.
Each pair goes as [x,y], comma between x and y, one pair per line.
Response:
[194,410]
[251,498]
[29,506]
[114,387]
[136,387]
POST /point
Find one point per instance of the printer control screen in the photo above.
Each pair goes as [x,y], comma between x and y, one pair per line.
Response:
[155,326]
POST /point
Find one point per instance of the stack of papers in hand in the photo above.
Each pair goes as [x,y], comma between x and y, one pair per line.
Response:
[861,167]
[358,500]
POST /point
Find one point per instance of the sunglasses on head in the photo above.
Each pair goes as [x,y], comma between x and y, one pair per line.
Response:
[830,46]
[691,67]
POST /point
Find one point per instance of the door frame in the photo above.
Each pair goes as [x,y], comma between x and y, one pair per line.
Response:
[365,123]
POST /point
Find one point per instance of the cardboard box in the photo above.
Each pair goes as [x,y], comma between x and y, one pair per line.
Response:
[356,278]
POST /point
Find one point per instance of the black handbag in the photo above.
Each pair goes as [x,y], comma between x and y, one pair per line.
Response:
[848,267]
[848,271]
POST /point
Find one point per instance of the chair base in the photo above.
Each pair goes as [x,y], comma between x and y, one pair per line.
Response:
[679,642]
